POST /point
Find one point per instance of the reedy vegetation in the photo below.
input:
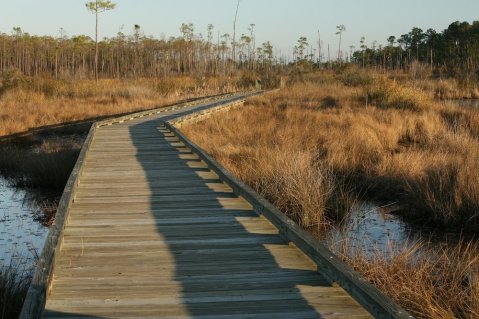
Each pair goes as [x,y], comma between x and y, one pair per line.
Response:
[430,282]
[31,102]
[46,166]
[14,283]
[393,142]
[323,141]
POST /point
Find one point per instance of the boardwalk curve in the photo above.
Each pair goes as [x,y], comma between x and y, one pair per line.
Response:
[149,230]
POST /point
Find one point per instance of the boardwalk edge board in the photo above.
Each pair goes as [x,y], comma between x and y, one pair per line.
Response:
[219,98]
[37,292]
[34,303]
[330,265]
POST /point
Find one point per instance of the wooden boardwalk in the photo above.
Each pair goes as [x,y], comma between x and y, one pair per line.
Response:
[154,233]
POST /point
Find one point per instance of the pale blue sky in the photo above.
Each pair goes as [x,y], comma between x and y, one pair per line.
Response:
[280,21]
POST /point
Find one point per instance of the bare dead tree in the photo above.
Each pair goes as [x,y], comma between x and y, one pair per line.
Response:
[234,30]
[96,7]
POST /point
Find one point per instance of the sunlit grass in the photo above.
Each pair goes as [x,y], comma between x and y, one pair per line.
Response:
[315,146]
[37,102]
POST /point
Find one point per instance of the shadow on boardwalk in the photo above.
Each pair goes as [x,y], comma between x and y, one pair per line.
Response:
[169,240]
[221,252]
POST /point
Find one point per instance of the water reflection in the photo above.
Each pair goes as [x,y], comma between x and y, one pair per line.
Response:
[21,236]
[369,228]
[373,229]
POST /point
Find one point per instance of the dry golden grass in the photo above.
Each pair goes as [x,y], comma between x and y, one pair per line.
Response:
[428,282]
[448,89]
[274,148]
[422,154]
[36,102]
[385,93]
[316,145]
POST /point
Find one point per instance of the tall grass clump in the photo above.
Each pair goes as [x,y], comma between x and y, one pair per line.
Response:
[448,192]
[449,88]
[14,284]
[386,94]
[47,166]
[352,75]
[429,282]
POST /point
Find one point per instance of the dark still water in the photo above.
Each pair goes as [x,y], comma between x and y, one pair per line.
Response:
[22,236]
[35,172]
[372,230]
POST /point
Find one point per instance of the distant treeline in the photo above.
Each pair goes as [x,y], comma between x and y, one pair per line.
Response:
[451,52]
[132,55]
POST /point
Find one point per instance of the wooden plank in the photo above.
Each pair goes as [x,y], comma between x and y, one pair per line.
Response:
[221,310]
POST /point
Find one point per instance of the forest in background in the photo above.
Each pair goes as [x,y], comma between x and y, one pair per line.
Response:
[452,52]
[448,53]
[134,55]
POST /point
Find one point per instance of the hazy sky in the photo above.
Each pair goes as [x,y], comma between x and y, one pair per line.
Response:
[280,21]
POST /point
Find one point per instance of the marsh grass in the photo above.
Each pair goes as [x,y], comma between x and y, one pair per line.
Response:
[28,103]
[313,158]
[384,93]
[449,88]
[46,166]
[427,280]
[276,152]
[401,147]
[14,284]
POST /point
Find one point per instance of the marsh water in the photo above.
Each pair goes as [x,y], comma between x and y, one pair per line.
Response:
[22,236]
[24,209]
[370,228]
[375,229]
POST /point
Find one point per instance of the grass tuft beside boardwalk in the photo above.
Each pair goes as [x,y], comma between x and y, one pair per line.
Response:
[14,283]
